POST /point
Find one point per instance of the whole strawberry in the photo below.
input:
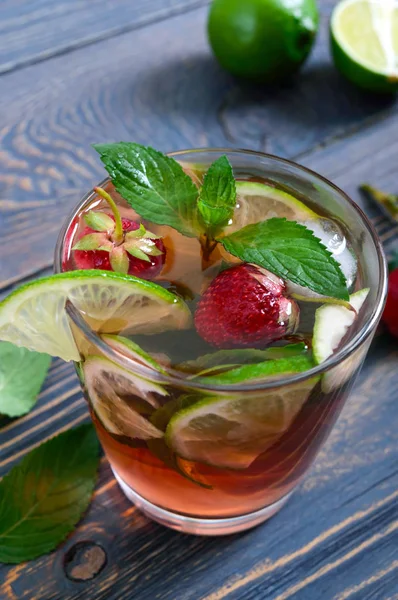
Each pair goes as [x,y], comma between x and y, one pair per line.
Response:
[113,243]
[390,315]
[245,306]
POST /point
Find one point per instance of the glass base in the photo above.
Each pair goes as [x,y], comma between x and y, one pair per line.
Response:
[197,526]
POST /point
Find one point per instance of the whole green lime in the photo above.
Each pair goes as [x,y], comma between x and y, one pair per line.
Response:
[263,40]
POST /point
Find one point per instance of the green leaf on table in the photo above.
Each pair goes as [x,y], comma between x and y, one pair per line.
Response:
[22,374]
[291,251]
[217,197]
[43,497]
[155,185]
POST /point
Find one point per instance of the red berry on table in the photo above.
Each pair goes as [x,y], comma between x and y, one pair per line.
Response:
[113,243]
[245,306]
[390,315]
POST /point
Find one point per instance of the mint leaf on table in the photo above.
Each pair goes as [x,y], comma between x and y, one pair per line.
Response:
[22,374]
[155,185]
[217,197]
[44,496]
[291,251]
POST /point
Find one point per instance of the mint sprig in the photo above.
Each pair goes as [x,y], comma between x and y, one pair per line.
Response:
[155,185]
[291,251]
[45,495]
[217,197]
[159,190]
[22,374]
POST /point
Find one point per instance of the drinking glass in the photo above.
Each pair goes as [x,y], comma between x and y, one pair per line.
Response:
[200,498]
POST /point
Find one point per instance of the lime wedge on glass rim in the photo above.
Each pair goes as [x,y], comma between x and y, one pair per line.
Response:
[364,40]
[34,315]
[232,431]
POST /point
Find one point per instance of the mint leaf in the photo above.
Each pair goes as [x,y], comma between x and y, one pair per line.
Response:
[44,496]
[217,197]
[22,374]
[155,185]
[291,251]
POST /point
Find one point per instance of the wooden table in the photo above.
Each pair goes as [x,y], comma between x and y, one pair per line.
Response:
[78,71]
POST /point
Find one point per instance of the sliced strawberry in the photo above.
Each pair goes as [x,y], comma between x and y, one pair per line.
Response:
[245,306]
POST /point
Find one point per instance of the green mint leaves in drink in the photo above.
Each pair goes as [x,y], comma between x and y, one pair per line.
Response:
[45,495]
[22,374]
[217,197]
[159,190]
[291,251]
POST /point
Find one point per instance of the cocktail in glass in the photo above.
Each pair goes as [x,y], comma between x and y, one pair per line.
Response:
[192,450]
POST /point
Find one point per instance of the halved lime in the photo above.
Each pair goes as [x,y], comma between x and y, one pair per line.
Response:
[132,350]
[364,39]
[231,432]
[259,202]
[331,325]
[121,399]
[34,315]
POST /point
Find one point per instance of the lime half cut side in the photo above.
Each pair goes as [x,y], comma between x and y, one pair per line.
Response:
[122,401]
[34,316]
[364,39]
[231,432]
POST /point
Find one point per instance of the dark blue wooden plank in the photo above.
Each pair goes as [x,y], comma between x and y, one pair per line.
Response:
[173,95]
[35,30]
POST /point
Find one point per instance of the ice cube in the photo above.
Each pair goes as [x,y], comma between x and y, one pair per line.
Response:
[332,236]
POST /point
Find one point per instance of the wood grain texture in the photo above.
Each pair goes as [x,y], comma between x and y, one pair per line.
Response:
[336,539]
[173,95]
[35,30]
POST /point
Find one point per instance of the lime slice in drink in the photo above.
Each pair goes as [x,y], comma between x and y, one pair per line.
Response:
[262,371]
[120,399]
[364,39]
[332,323]
[133,351]
[232,431]
[34,316]
[259,202]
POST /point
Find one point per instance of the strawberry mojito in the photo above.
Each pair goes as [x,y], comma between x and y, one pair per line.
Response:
[218,306]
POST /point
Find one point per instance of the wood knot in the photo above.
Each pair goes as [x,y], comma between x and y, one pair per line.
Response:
[84,561]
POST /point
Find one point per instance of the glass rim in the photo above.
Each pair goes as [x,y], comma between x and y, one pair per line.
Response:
[174,377]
